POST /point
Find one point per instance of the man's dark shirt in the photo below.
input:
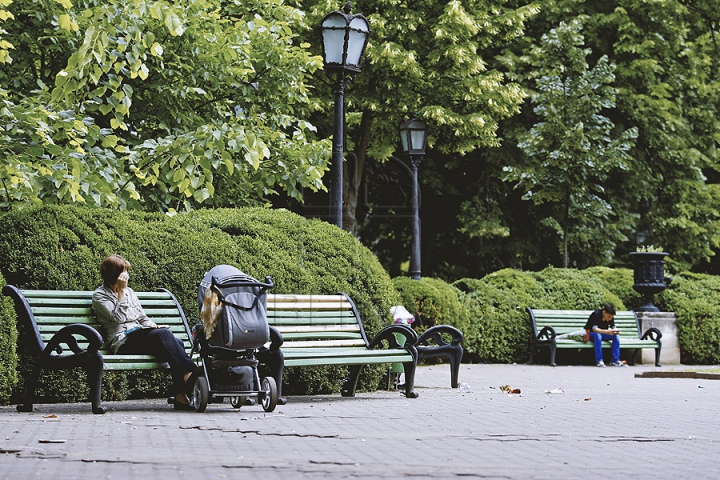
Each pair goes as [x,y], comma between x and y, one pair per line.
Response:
[596,319]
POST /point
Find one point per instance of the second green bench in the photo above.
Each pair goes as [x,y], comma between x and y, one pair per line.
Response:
[551,327]
[328,330]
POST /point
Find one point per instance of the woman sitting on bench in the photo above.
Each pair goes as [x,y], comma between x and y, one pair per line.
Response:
[129,331]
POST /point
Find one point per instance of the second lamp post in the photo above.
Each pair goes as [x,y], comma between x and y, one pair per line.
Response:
[345,37]
[413,137]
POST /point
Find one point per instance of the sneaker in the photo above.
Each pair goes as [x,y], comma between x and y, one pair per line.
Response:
[619,364]
[601,364]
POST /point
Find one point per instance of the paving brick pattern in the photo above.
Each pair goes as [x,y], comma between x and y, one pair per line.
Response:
[606,424]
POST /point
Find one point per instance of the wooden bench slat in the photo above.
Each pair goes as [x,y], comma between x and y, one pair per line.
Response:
[308,362]
[317,328]
[324,336]
[322,344]
[69,302]
[310,314]
[309,305]
[306,352]
[154,365]
[314,299]
[310,321]
[28,294]
[44,320]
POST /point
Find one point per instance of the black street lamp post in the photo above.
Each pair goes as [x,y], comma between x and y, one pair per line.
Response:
[345,37]
[413,137]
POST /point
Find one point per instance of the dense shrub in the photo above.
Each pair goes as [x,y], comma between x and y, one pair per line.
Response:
[8,358]
[497,302]
[695,299]
[571,289]
[618,281]
[61,247]
[433,302]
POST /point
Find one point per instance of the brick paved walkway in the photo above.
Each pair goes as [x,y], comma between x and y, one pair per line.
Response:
[606,424]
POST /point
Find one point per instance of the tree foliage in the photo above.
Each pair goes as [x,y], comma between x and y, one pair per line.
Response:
[573,148]
[424,58]
[159,105]
[664,88]
[156,105]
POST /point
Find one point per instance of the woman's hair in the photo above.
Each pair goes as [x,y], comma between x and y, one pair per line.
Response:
[111,268]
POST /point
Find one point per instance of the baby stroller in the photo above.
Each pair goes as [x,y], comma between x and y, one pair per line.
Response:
[233,326]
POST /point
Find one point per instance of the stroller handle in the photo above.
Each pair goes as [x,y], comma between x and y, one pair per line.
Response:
[241,281]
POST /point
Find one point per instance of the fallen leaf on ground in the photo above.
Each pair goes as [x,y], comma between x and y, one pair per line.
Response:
[509,389]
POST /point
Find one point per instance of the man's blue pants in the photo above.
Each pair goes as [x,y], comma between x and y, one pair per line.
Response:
[597,339]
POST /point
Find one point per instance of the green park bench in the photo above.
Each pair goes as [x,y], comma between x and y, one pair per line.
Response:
[550,329]
[327,330]
[62,332]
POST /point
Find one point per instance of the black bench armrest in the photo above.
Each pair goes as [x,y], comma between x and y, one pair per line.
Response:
[65,336]
[386,334]
[652,333]
[435,334]
[547,333]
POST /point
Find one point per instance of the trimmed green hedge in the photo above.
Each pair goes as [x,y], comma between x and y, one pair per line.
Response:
[433,302]
[60,247]
[8,338]
[695,299]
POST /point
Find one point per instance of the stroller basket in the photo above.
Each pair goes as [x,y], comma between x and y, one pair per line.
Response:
[233,308]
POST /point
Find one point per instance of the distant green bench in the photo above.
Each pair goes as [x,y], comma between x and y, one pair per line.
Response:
[62,332]
[327,330]
[550,328]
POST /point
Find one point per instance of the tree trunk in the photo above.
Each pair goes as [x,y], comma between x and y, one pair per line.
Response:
[353,175]
[566,227]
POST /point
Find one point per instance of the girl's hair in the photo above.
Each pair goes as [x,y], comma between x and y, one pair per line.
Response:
[111,268]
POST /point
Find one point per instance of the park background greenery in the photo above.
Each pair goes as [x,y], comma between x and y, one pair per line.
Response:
[60,247]
[558,128]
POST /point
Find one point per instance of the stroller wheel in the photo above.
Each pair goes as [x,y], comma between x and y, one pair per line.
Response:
[269,394]
[238,402]
[201,394]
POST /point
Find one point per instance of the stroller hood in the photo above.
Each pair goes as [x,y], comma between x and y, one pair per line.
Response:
[233,308]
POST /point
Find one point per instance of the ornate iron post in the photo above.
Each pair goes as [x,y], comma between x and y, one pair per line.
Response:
[345,37]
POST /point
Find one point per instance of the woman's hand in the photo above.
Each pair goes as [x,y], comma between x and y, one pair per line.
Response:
[120,285]
[122,280]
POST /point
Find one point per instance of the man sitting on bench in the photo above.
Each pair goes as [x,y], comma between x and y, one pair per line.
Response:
[602,327]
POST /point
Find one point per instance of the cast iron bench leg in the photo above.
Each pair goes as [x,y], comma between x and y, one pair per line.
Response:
[350,383]
[409,368]
[455,360]
[29,394]
[94,371]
